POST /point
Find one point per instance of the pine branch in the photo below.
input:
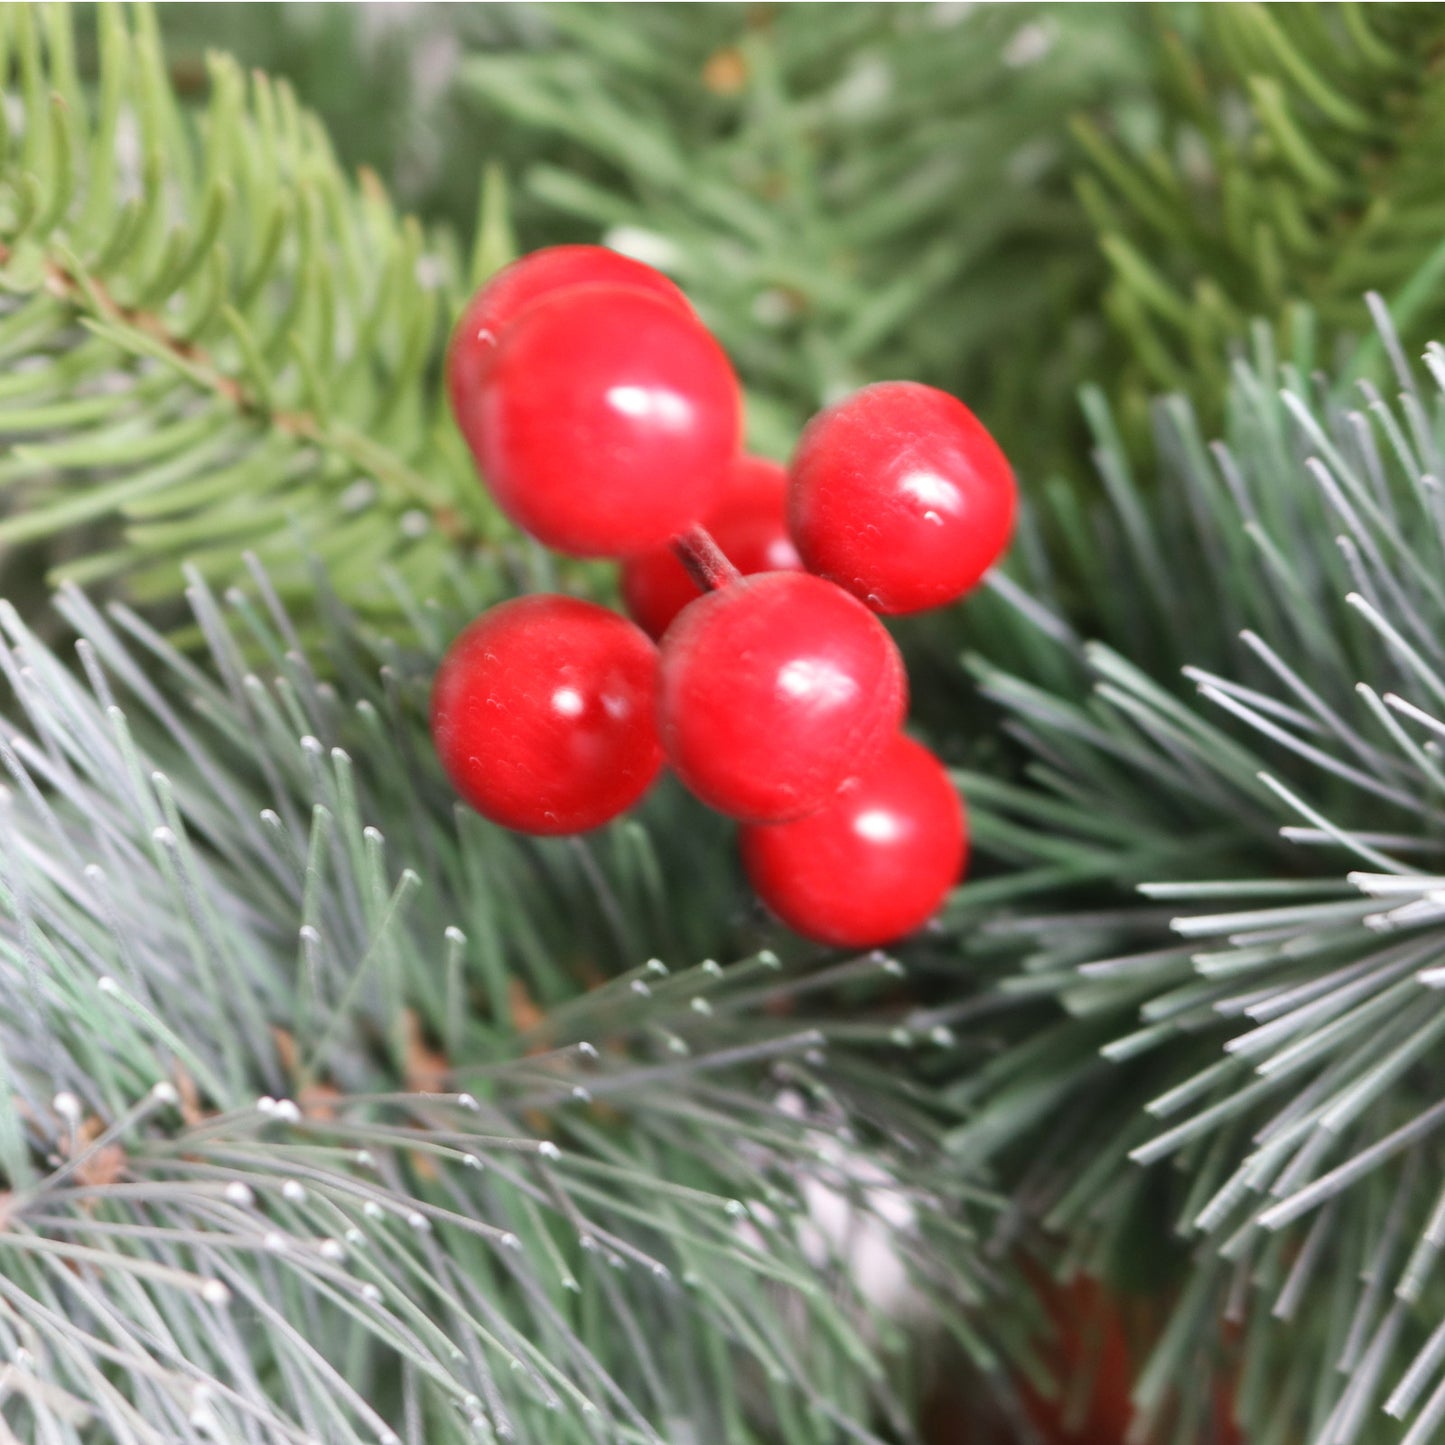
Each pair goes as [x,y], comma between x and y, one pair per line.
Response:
[1293,167]
[216,342]
[1222,904]
[848,193]
[330,1112]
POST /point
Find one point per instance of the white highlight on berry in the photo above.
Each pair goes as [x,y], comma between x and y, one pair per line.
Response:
[813,677]
[568,702]
[877,825]
[931,491]
[655,403]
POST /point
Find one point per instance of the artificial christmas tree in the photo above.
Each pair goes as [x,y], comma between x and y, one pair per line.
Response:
[330,1110]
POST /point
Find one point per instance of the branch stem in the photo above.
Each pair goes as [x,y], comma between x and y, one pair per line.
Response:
[705,561]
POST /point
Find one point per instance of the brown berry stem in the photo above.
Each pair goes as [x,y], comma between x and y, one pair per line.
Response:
[705,561]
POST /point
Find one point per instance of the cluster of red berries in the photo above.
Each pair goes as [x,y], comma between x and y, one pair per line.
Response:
[606,421]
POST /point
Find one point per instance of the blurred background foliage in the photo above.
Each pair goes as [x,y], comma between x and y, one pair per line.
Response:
[848,192]
[1006,201]
[1011,202]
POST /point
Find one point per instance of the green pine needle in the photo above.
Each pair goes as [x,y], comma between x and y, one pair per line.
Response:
[215,341]
[333,1112]
[1223,901]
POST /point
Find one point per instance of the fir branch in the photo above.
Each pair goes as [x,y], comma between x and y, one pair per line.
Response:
[847,193]
[99,310]
[330,1112]
[1291,166]
[1231,899]
[213,282]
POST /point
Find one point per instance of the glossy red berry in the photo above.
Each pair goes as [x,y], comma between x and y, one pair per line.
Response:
[544,714]
[873,865]
[513,289]
[750,527]
[775,690]
[607,421]
[899,494]
[1088,1348]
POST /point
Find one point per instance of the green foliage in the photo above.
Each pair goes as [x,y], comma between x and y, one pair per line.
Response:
[1220,925]
[330,1112]
[220,342]
[382,79]
[848,192]
[855,192]
[1293,161]
[212,340]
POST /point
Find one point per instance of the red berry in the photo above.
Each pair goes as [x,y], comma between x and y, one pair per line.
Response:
[750,527]
[1090,1348]
[544,714]
[777,689]
[608,421]
[513,289]
[899,494]
[875,863]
